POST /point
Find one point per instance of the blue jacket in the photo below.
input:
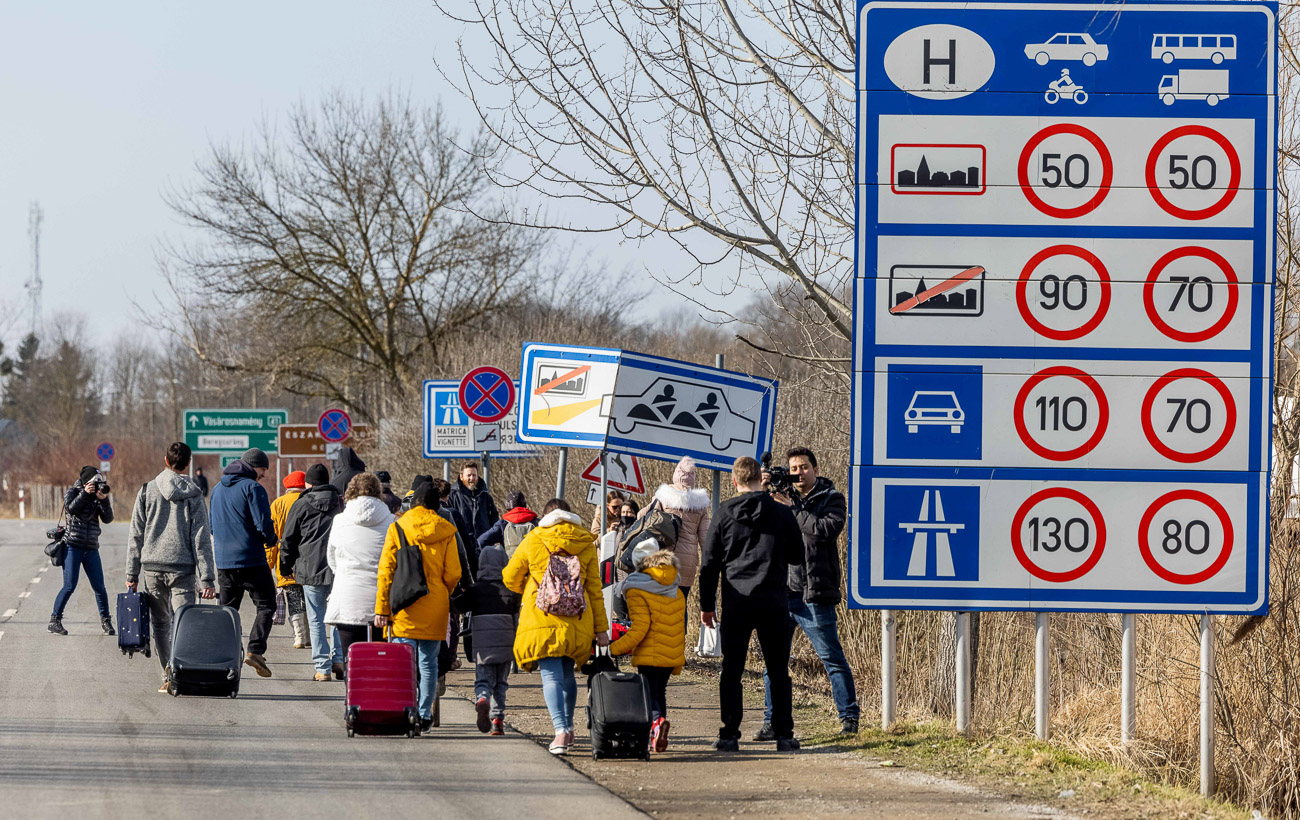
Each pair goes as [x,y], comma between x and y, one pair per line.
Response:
[241,519]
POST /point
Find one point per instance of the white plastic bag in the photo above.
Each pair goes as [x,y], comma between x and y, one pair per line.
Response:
[710,643]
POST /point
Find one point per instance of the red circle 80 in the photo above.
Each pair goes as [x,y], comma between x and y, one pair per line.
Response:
[1107,170]
[1149,295]
[1144,540]
[1019,548]
[1234,176]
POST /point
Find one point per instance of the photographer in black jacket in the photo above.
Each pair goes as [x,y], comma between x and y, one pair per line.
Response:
[750,545]
[814,583]
[87,505]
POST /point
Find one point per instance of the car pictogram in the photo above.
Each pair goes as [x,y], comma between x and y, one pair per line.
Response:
[934,407]
[1068,46]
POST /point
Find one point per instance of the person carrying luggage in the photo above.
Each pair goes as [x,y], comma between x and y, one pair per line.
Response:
[496,616]
[303,556]
[87,506]
[240,514]
[555,569]
[657,637]
[423,623]
[294,483]
[171,543]
[515,523]
[356,542]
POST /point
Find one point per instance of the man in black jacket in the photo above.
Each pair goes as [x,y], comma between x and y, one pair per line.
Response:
[473,503]
[814,583]
[303,549]
[750,545]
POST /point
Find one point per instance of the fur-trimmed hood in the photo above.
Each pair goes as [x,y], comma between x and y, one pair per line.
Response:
[690,500]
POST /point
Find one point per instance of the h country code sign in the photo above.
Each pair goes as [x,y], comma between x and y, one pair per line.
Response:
[1063,306]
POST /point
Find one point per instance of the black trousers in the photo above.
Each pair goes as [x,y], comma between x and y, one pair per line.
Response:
[657,677]
[260,585]
[351,633]
[773,630]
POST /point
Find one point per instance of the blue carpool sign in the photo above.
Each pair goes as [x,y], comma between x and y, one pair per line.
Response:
[1063,306]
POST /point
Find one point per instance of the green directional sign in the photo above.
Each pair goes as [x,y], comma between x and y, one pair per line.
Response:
[230,430]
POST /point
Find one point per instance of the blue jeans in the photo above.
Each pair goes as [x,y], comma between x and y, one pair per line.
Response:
[426,661]
[820,623]
[322,656]
[72,564]
[560,689]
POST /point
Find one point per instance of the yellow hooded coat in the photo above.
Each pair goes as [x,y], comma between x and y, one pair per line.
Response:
[280,514]
[435,537]
[541,634]
[657,636]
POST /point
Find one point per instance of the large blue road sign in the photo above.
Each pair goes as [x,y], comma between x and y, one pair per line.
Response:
[1063,306]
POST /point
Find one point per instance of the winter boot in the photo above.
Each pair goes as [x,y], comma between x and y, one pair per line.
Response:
[56,625]
[300,633]
[106,623]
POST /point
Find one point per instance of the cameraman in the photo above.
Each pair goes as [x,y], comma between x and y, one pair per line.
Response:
[86,504]
[814,585]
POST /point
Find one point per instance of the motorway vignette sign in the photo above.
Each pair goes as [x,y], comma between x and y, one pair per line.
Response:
[1063,306]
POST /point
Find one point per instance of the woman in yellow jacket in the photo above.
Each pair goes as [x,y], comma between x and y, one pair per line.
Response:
[423,624]
[657,637]
[554,643]
[295,604]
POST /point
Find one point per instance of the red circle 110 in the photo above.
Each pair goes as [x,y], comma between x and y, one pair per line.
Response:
[1107,170]
[1234,176]
[1144,538]
[1018,413]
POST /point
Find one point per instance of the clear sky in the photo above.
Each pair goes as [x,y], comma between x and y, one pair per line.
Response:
[107,104]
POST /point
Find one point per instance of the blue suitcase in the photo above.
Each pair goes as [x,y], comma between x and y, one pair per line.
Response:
[133,623]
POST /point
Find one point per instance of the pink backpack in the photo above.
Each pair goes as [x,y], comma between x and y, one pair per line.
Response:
[561,591]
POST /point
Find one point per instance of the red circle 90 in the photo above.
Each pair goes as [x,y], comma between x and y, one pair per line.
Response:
[1107,170]
[1022,292]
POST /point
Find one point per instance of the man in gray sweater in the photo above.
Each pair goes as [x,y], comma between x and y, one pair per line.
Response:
[172,543]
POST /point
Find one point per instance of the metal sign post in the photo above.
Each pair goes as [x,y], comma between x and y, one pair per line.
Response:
[1128,677]
[1207,705]
[604,494]
[1042,706]
[962,668]
[888,696]
[559,472]
[487,468]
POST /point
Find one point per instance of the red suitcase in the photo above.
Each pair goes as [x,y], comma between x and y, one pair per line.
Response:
[381,690]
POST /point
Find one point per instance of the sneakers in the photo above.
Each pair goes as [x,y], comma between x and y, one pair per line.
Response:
[498,726]
[320,677]
[726,744]
[659,735]
[849,726]
[484,722]
[787,744]
[559,746]
[338,671]
[106,623]
[765,734]
[259,664]
[426,724]
[56,626]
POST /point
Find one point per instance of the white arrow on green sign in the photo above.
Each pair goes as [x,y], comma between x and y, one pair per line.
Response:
[227,430]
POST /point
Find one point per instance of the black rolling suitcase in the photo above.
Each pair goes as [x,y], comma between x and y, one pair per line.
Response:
[133,623]
[207,651]
[618,712]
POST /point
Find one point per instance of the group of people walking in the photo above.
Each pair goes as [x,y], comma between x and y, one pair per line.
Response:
[523,590]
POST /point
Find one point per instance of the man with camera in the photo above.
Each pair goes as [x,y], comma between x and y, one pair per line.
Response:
[171,543]
[750,545]
[814,582]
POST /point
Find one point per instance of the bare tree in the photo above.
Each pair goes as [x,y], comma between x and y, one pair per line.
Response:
[728,129]
[340,254]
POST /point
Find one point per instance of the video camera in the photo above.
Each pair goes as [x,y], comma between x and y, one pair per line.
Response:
[779,479]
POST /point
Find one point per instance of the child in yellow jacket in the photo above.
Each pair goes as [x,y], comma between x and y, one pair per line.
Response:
[657,636]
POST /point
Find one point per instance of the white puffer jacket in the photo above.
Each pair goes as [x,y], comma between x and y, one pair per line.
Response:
[356,542]
[693,507]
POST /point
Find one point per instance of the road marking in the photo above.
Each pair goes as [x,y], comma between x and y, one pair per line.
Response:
[25,594]
[562,379]
[2,634]
[9,613]
[36,580]
[44,570]
[931,292]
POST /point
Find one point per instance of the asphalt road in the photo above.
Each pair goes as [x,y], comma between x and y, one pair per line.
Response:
[84,733]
